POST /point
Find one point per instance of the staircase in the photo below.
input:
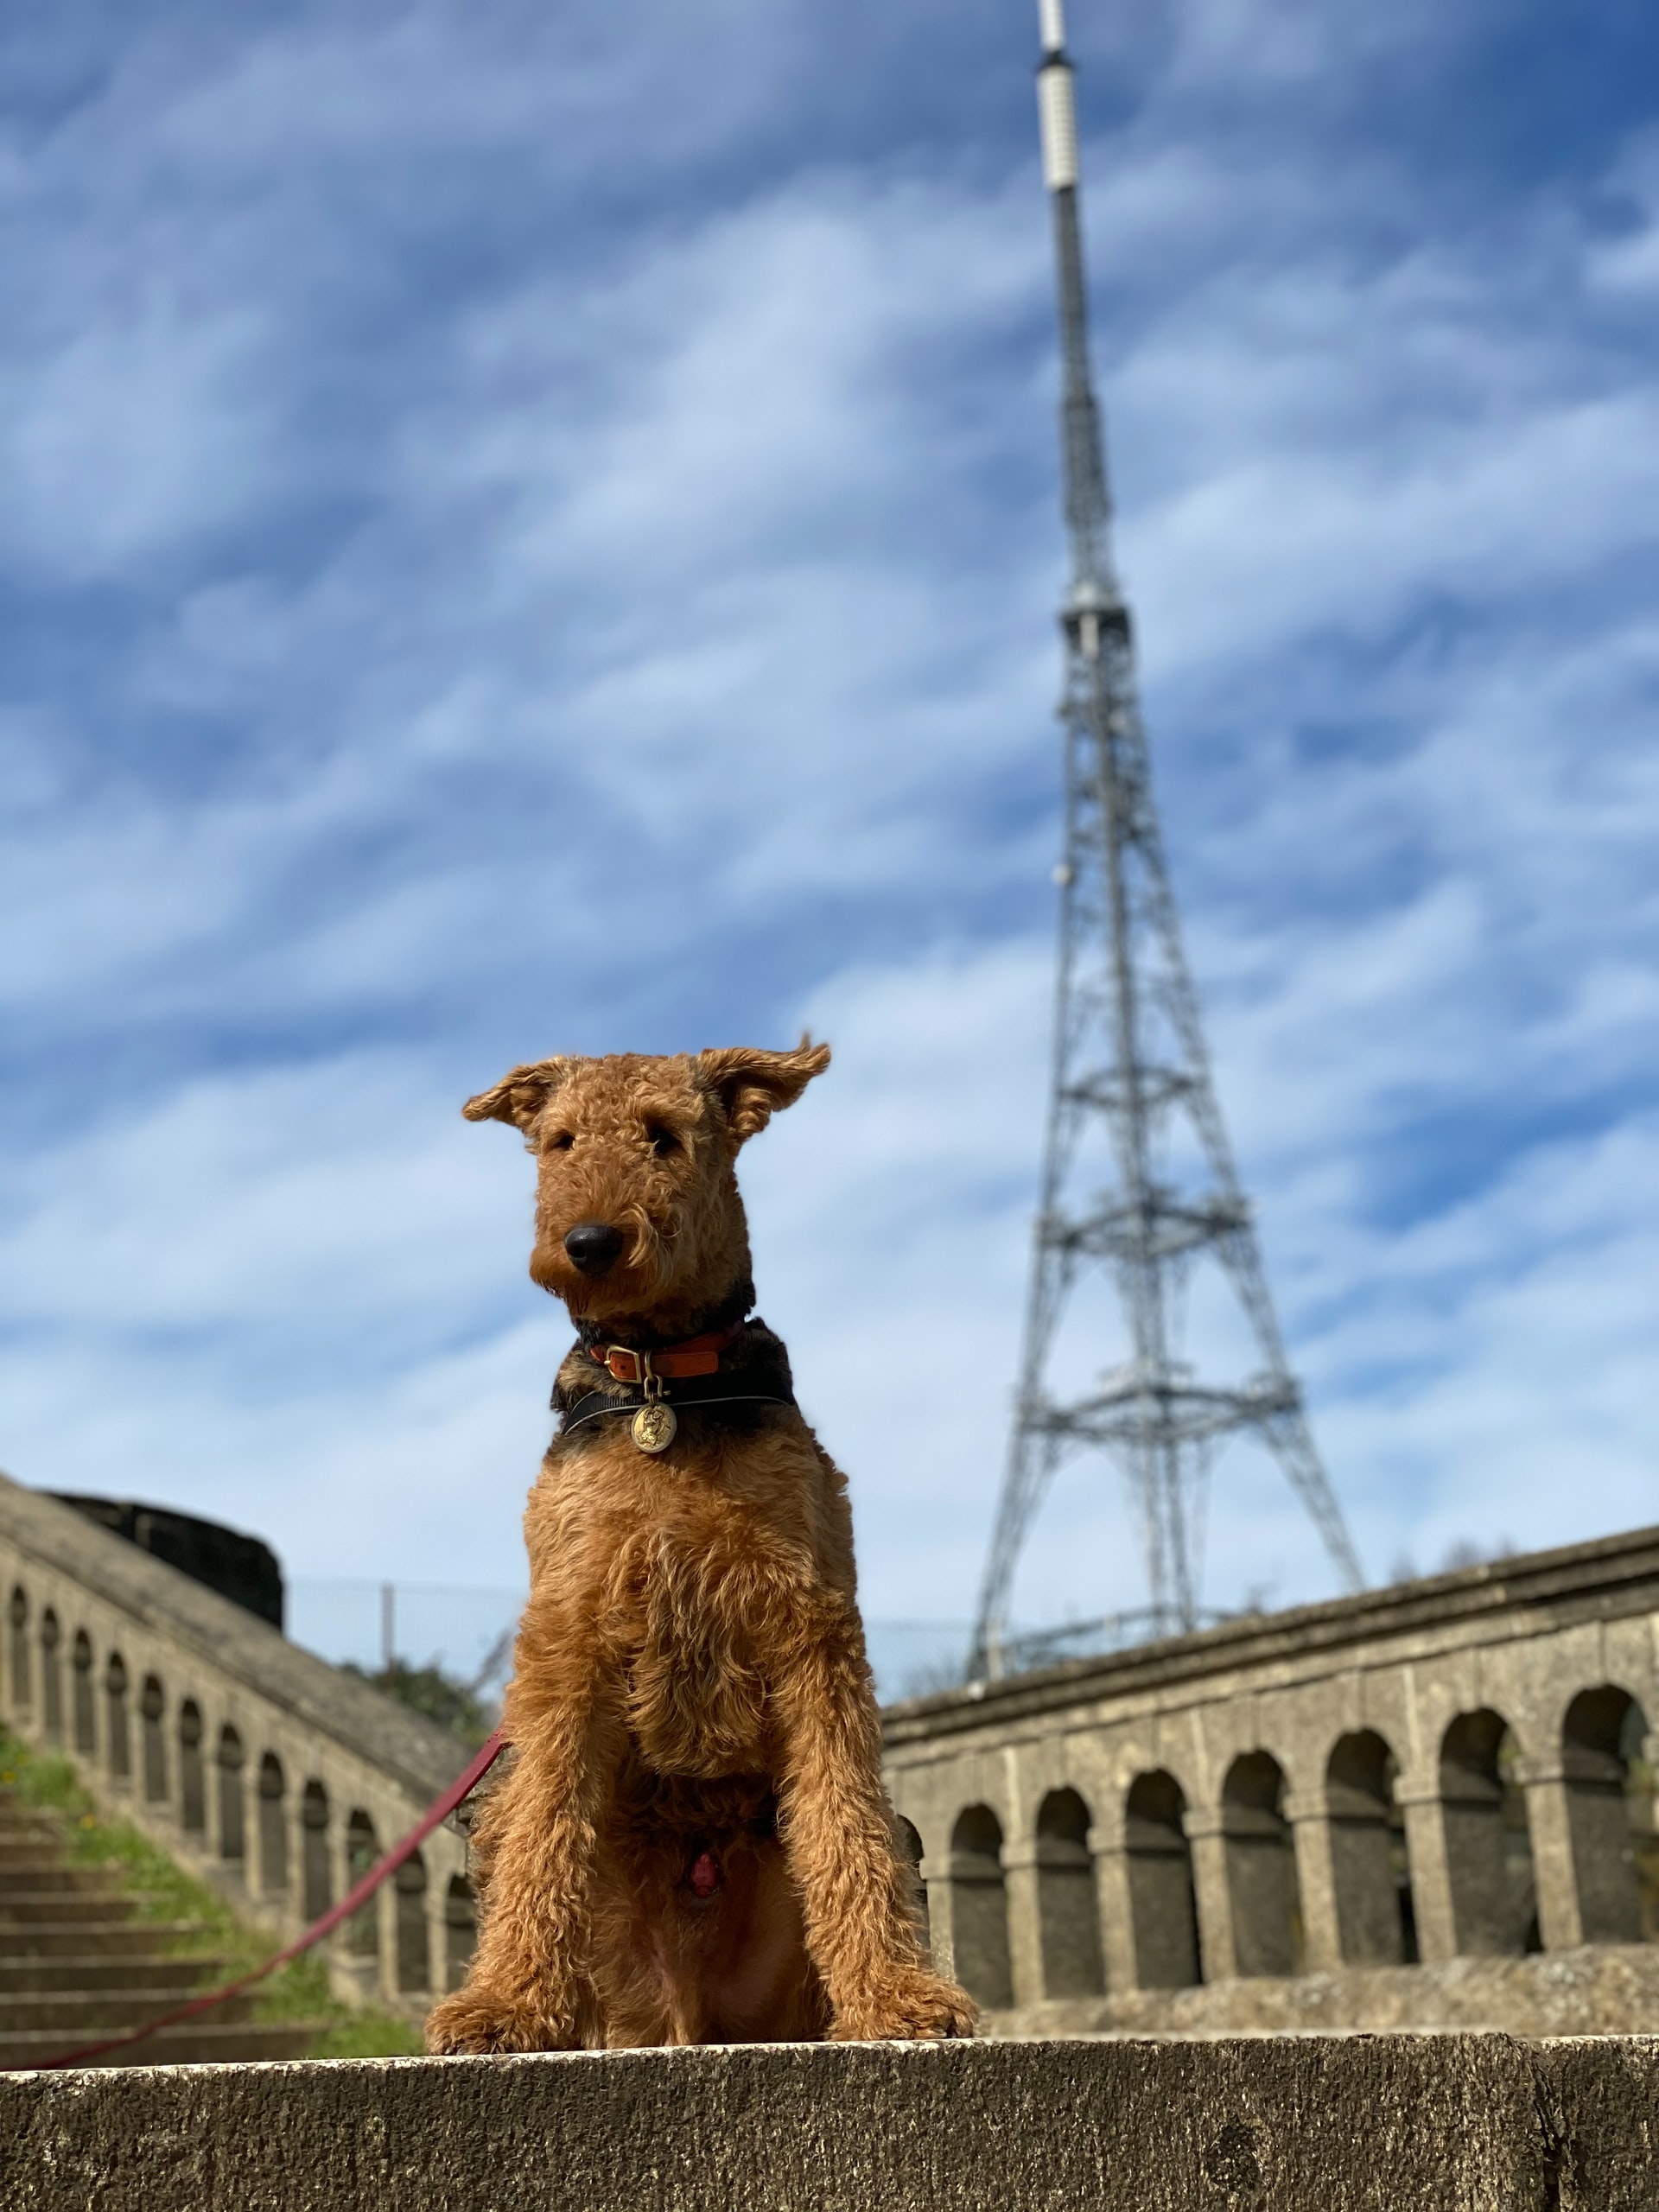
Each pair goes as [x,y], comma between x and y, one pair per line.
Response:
[76,1963]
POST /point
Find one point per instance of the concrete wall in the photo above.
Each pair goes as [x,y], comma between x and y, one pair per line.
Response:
[251,1762]
[1448,1769]
[1318,2124]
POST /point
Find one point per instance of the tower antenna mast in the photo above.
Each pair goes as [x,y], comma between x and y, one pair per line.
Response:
[1130,1072]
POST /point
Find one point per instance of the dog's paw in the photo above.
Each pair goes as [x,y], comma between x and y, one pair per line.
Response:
[476,2022]
[910,2006]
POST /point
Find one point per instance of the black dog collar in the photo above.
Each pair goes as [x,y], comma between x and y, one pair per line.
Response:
[754,1386]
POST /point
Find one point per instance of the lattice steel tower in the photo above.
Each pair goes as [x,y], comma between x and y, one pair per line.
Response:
[1138,1181]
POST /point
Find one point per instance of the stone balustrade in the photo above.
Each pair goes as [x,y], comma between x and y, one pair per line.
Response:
[1450,1769]
[276,1776]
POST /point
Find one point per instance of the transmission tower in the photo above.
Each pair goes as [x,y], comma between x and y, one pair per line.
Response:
[1138,1180]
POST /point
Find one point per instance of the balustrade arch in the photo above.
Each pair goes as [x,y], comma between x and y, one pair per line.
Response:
[85,1708]
[51,1677]
[233,1830]
[152,1707]
[363,1929]
[273,1826]
[1068,1912]
[910,1849]
[1163,1904]
[1603,1736]
[1370,1870]
[414,1940]
[1261,1858]
[1488,1839]
[117,1729]
[317,1878]
[17,1619]
[193,1780]
[459,1930]
[979,1909]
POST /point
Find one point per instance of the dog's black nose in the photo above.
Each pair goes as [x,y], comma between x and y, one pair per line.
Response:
[594,1246]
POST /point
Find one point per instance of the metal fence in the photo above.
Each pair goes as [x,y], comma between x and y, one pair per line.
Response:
[466,1630]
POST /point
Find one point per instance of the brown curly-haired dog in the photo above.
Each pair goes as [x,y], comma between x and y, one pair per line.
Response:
[693,1844]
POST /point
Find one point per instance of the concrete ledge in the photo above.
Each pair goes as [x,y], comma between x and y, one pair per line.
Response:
[1599,1989]
[1611,1577]
[1286,2124]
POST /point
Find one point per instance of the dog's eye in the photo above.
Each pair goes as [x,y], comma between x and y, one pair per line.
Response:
[561,1142]
[662,1140]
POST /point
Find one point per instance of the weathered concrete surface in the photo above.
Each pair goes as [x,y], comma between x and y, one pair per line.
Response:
[1342,2123]
[1598,2102]
[1599,1989]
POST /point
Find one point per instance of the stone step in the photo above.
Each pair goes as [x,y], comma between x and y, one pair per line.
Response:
[41,1872]
[64,1904]
[195,2043]
[152,1970]
[27,1827]
[76,1964]
[79,1939]
[36,1844]
[84,2012]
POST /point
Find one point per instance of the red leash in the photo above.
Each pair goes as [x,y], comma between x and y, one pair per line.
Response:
[438,1810]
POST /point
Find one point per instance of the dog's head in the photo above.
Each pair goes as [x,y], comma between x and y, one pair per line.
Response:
[636,1206]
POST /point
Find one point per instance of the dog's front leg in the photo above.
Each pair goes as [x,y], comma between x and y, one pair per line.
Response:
[837,1832]
[525,1988]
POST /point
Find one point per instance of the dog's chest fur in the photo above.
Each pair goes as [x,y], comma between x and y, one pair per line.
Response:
[696,1696]
[688,1567]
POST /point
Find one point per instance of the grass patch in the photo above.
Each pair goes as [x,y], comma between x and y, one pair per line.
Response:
[162,1891]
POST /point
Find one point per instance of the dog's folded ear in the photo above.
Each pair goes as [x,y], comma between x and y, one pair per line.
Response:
[520,1095]
[752,1086]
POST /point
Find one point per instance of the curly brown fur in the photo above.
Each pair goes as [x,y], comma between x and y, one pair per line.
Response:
[690,1682]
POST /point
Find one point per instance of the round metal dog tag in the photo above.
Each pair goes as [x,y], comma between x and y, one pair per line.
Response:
[653,1427]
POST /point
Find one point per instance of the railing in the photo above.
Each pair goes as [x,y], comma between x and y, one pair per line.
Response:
[466,1630]
[1022,1651]
[250,1761]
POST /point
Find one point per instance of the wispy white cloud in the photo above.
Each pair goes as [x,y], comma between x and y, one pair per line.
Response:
[521,534]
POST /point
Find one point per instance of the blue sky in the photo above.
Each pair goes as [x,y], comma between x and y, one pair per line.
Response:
[527,529]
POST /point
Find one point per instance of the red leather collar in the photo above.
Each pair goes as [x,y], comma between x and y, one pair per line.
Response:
[697,1356]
